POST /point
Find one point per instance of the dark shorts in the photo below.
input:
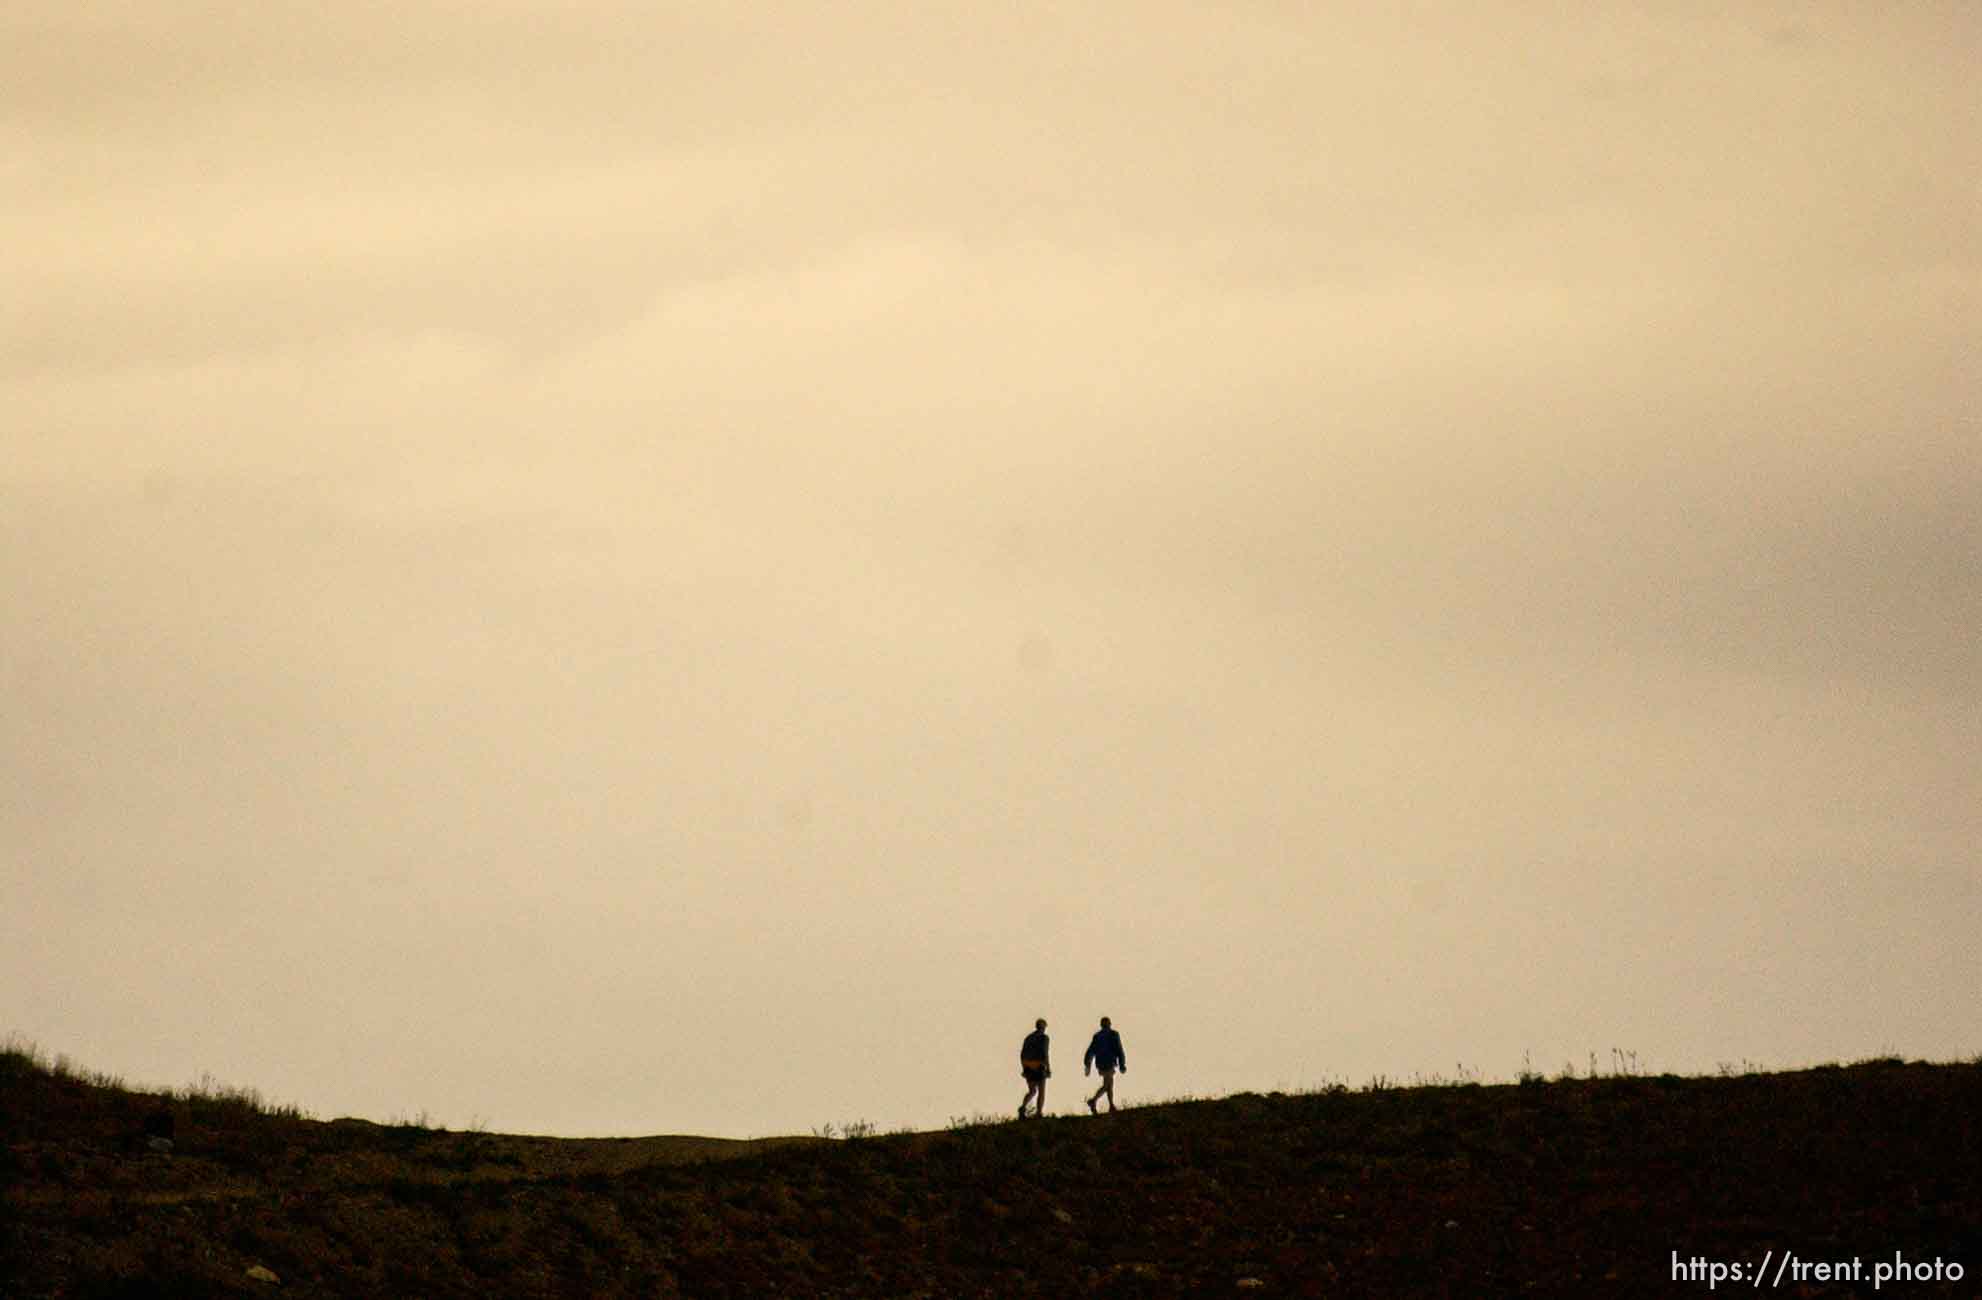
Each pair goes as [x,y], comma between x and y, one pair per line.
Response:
[1033,1074]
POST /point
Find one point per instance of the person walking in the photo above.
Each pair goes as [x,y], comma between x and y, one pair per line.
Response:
[1036,1067]
[1105,1054]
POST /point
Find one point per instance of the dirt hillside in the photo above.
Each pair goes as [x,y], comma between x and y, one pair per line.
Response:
[1626,1185]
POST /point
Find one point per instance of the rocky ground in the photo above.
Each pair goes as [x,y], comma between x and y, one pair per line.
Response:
[1632,1185]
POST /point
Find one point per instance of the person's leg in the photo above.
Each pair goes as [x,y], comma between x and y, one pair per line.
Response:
[1030,1088]
[1108,1087]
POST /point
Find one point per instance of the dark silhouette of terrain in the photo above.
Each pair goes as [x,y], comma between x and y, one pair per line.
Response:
[1572,1187]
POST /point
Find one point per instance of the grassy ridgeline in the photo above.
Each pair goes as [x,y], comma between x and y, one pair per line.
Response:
[1540,1187]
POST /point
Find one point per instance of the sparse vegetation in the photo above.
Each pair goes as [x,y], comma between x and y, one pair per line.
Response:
[977,1120]
[854,1128]
[208,1094]
[1451,1186]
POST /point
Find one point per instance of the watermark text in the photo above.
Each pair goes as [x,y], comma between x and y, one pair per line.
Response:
[1787,1268]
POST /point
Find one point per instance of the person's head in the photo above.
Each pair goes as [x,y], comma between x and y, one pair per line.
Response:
[1104,1022]
[1039,1024]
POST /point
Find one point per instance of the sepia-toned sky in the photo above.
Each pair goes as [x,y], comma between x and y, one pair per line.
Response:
[613,568]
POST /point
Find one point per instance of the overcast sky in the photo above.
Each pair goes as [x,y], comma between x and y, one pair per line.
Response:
[620,568]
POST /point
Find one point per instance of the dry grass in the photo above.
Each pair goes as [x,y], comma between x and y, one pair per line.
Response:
[1551,1188]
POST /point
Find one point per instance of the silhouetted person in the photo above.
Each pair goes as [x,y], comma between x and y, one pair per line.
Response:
[1037,1067]
[1105,1054]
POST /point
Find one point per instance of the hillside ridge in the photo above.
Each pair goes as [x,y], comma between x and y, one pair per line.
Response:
[1541,1187]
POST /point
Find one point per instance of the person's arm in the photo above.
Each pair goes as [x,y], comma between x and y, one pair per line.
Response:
[1121,1055]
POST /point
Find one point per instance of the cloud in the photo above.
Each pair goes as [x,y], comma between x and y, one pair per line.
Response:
[587,504]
